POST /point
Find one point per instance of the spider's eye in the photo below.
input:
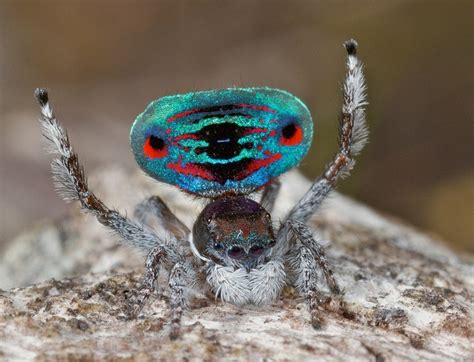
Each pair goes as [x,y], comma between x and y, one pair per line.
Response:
[256,250]
[236,252]
[271,243]
[155,147]
[291,135]
[218,246]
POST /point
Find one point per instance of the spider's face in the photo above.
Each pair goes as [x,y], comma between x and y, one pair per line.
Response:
[234,231]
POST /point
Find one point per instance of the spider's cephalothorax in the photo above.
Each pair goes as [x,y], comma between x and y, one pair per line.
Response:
[234,231]
[224,145]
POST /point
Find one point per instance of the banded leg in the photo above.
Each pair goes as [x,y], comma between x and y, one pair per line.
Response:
[270,194]
[302,263]
[352,138]
[305,235]
[152,269]
[163,215]
[71,183]
[177,283]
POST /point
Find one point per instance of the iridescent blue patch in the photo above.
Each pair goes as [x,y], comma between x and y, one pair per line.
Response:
[229,141]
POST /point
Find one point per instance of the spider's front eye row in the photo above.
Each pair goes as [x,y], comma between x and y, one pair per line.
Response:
[218,247]
[256,250]
[236,252]
[155,147]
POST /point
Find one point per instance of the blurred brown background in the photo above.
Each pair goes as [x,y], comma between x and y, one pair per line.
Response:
[103,61]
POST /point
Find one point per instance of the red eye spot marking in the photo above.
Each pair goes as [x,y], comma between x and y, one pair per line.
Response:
[155,147]
[291,135]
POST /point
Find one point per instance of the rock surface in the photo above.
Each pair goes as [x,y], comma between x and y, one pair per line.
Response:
[410,298]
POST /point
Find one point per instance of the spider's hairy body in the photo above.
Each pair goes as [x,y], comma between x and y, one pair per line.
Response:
[224,145]
[259,286]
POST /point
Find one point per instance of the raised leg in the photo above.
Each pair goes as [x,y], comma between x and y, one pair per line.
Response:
[270,193]
[352,138]
[71,183]
[163,215]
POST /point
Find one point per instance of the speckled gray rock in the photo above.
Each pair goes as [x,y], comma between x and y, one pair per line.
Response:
[409,297]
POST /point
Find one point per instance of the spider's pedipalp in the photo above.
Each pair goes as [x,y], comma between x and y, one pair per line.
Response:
[227,283]
[267,281]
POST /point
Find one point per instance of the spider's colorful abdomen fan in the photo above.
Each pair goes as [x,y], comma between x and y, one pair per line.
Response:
[222,141]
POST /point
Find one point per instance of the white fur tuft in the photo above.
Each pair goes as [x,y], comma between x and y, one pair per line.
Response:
[355,100]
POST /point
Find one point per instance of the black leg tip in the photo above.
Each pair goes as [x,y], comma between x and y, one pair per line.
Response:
[351,47]
[41,95]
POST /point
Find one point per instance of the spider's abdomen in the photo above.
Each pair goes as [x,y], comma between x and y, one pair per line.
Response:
[222,141]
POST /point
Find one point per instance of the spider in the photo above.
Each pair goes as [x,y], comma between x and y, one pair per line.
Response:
[224,145]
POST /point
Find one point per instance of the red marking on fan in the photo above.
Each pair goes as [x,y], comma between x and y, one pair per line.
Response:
[256,165]
[255,130]
[181,115]
[293,140]
[186,136]
[191,169]
[151,152]
[257,108]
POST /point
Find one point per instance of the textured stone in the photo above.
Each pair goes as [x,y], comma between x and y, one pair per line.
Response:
[409,297]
